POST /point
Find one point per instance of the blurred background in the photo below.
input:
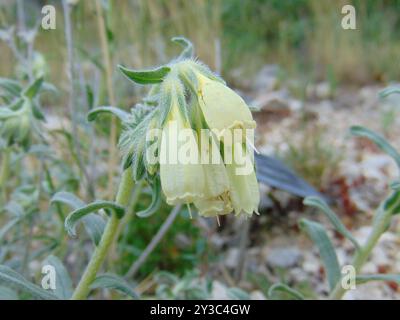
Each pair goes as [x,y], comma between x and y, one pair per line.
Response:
[309,79]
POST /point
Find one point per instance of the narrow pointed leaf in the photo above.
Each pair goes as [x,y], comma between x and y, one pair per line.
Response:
[7,294]
[380,141]
[120,114]
[155,200]
[6,113]
[388,91]
[378,277]
[237,294]
[392,203]
[93,223]
[286,289]
[395,185]
[10,86]
[74,217]
[37,112]
[145,76]
[112,281]
[187,52]
[7,227]
[63,280]
[327,253]
[333,218]
[12,279]
[32,90]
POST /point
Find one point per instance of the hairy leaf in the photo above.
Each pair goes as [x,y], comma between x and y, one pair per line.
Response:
[63,281]
[93,223]
[120,114]
[13,279]
[378,277]
[32,90]
[327,253]
[380,141]
[187,52]
[74,217]
[155,200]
[286,289]
[333,218]
[112,281]
[145,76]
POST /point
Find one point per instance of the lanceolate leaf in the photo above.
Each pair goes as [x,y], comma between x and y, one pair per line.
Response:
[75,216]
[7,294]
[6,113]
[333,218]
[378,140]
[155,200]
[187,52]
[327,253]
[32,90]
[237,294]
[286,289]
[94,226]
[8,226]
[145,76]
[378,277]
[395,185]
[388,91]
[63,281]
[12,279]
[120,114]
[69,199]
[392,203]
[10,86]
[112,281]
[93,223]
[37,111]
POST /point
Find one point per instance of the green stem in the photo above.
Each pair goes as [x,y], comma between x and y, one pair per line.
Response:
[381,223]
[110,232]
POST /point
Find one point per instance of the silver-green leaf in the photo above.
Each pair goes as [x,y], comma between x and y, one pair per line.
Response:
[378,277]
[286,289]
[155,200]
[187,52]
[93,223]
[112,281]
[380,141]
[74,217]
[327,253]
[63,280]
[120,114]
[333,218]
[12,279]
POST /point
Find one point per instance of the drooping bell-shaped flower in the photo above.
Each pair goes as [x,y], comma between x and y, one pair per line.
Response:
[222,108]
[181,173]
[216,196]
[244,191]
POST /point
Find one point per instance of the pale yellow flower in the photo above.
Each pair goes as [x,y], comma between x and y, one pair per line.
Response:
[180,182]
[216,196]
[222,108]
[244,191]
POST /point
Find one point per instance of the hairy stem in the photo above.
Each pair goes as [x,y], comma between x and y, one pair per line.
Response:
[110,232]
[108,73]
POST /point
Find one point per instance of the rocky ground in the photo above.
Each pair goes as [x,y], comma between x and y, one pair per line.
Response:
[357,181]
